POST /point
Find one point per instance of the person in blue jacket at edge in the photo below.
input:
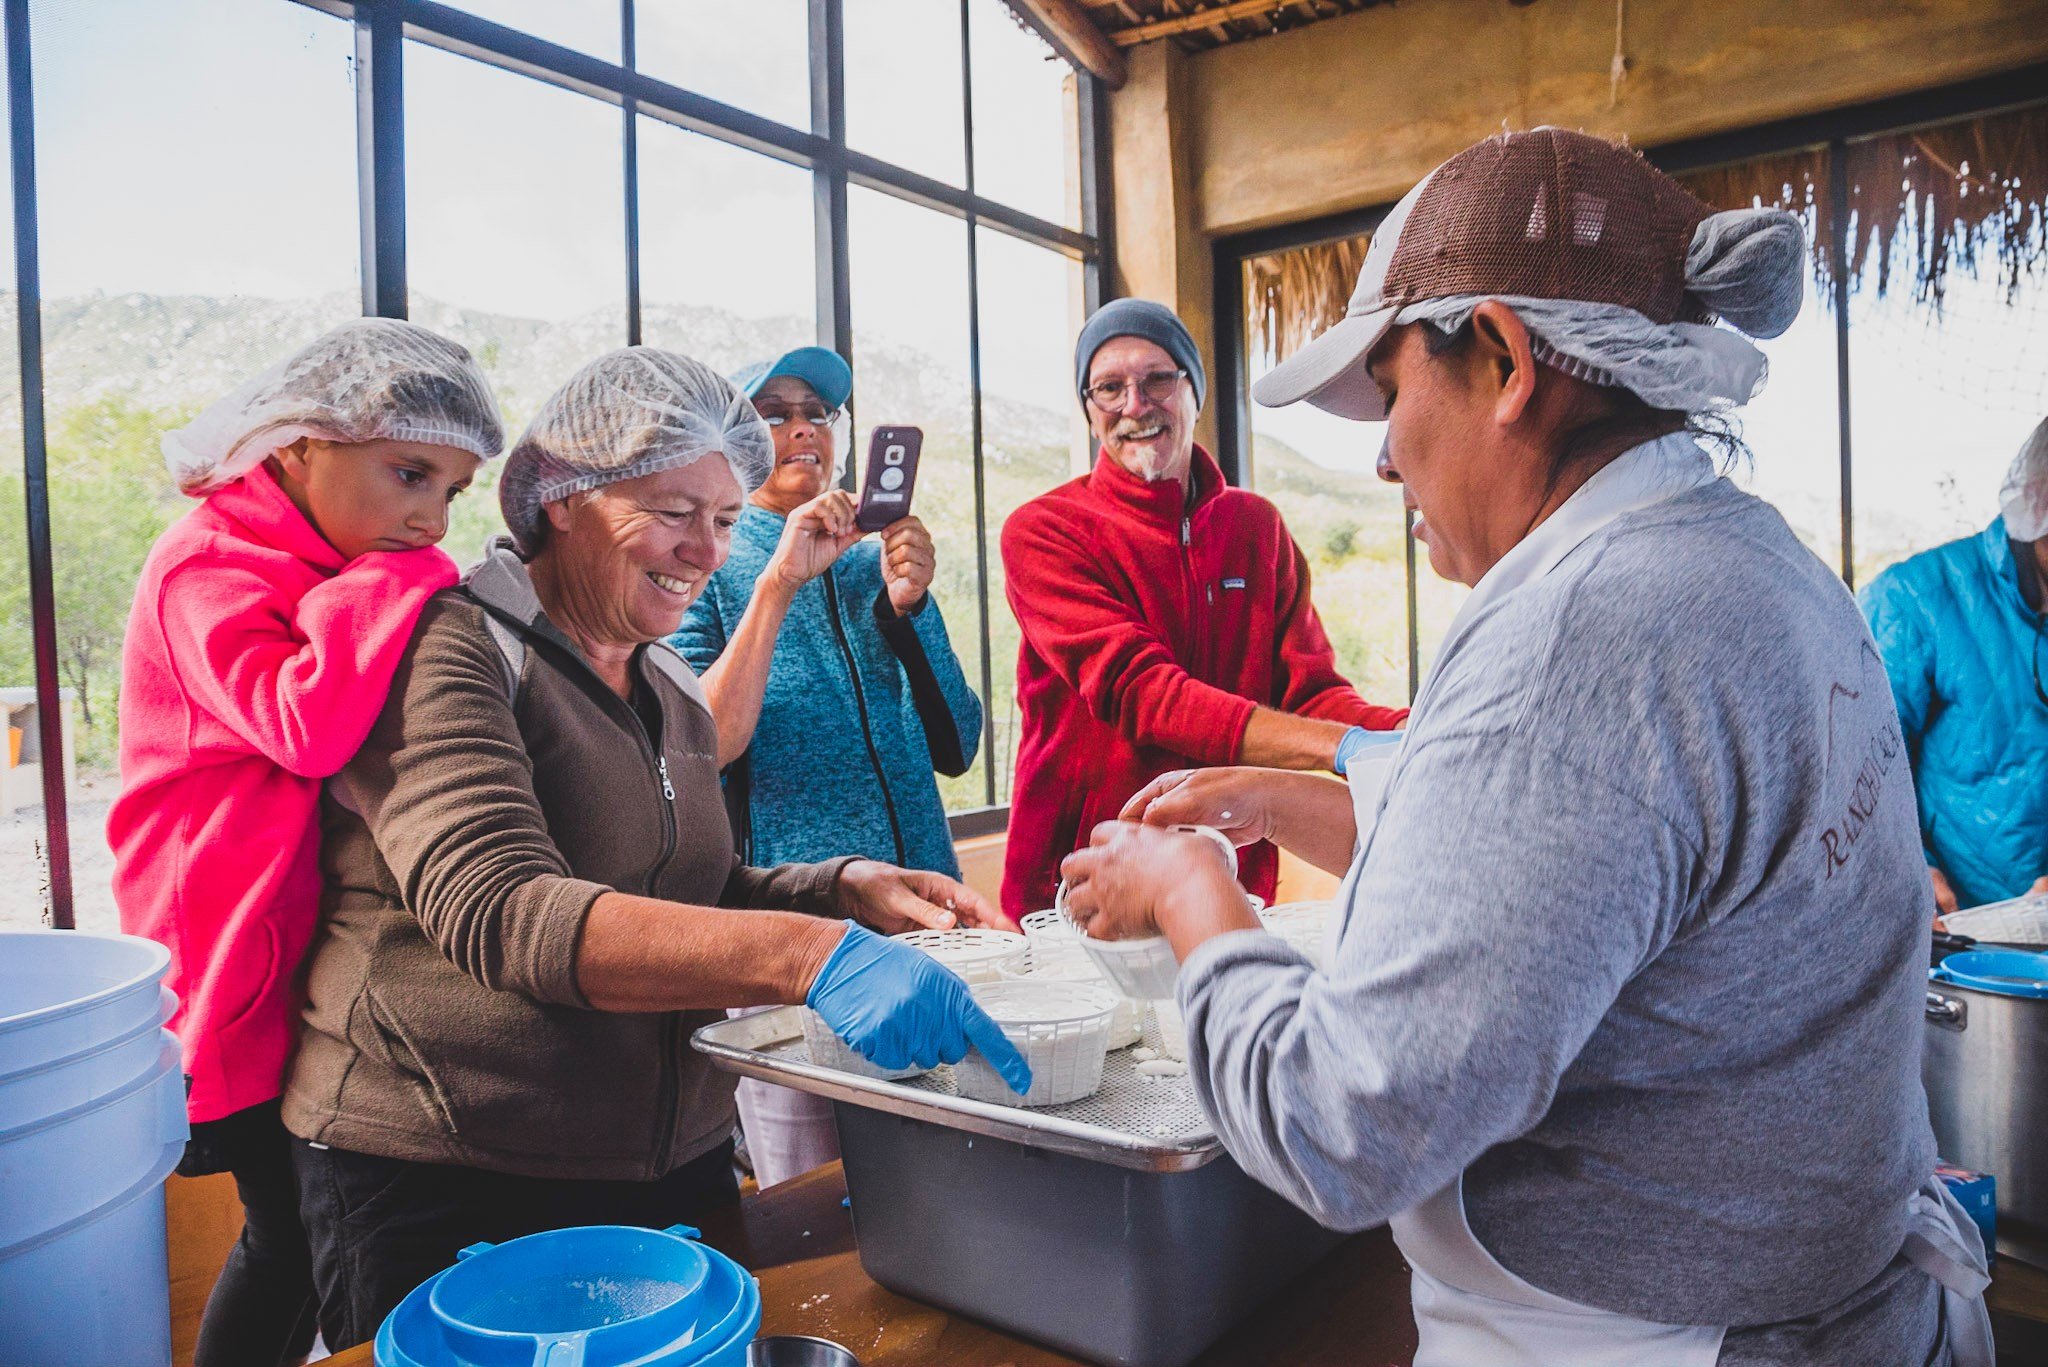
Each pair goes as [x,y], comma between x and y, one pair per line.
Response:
[1962,634]
[836,691]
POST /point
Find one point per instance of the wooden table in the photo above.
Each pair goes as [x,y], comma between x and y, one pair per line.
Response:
[1349,1310]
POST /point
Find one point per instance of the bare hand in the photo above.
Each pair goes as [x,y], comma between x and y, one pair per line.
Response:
[1231,800]
[813,537]
[1137,880]
[1944,895]
[894,900]
[908,563]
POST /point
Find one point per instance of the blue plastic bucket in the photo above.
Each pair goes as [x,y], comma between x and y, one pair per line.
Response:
[2006,972]
[66,992]
[92,1119]
[598,1296]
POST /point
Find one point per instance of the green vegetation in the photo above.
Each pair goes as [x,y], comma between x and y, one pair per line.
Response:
[109,499]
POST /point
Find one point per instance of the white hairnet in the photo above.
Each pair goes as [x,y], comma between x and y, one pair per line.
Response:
[1746,265]
[373,379]
[629,413]
[2023,499]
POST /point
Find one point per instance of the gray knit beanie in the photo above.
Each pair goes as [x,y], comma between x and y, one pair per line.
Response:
[1155,323]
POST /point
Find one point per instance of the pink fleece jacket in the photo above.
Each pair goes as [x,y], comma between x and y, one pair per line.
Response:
[255,663]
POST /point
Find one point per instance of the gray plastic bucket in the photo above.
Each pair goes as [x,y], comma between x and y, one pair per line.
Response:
[92,1119]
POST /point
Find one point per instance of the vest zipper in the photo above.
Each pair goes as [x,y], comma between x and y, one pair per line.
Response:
[860,703]
[668,1096]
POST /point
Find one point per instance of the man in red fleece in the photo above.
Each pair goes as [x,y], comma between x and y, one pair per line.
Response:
[1166,616]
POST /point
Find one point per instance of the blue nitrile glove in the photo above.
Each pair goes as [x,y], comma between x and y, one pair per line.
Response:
[897,1006]
[1355,740]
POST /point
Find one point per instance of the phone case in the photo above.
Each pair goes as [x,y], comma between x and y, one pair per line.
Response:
[889,478]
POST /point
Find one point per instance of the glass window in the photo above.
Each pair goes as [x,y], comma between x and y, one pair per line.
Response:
[1318,470]
[1928,470]
[751,54]
[515,236]
[22,817]
[1026,152]
[185,245]
[1792,431]
[728,265]
[590,26]
[903,93]
[1033,433]
[910,366]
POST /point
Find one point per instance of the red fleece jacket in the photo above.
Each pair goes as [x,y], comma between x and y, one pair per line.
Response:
[256,660]
[1151,632]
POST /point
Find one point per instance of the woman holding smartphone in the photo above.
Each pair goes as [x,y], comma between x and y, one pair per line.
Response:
[828,668]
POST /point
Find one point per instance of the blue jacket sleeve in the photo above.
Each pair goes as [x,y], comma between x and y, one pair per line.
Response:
[938,700]
[1898,614]
[701,638]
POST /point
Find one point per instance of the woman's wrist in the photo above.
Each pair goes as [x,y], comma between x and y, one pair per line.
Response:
[810,947]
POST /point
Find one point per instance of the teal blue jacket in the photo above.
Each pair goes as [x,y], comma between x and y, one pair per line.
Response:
[862,707]
[1962,647]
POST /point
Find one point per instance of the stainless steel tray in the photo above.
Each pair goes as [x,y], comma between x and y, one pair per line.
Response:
[1151,1124]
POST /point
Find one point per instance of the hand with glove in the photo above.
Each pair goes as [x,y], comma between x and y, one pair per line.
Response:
[898,1007]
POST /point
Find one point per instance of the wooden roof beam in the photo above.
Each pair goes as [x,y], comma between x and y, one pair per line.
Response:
[1074,34]
[1188,23]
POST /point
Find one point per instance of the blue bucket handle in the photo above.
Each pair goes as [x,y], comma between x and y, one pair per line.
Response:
[1995,971]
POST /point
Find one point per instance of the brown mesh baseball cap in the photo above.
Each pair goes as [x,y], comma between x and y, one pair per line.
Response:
[1547,214]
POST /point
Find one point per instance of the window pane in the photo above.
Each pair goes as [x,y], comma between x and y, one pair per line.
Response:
[185,245]
[590,26]
[1791,431]
[910,367]
[727,266]
[22,823]
[1928,470]
[1024,147]
[515,237]
[1033,434]
[751,54]
[1318,470]
[903,96]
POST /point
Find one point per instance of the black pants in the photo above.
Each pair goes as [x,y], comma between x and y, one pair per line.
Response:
[381,1226]
[261,1311]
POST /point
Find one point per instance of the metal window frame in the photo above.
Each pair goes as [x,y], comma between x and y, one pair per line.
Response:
[382,30]
[1833,130]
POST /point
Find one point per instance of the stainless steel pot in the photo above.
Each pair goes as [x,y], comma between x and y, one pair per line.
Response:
[1985,1068]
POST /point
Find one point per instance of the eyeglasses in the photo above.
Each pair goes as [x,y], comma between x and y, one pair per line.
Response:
[816,414]
[1113,396]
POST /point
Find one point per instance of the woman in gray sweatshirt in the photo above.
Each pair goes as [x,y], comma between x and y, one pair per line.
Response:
[1621,1025]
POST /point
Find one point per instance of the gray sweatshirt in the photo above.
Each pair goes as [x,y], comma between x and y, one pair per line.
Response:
[1639,944]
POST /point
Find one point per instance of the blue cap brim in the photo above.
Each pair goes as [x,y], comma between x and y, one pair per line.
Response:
[819,367]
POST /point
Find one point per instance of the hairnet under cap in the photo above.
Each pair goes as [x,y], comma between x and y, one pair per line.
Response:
[629,413]
[2023,500]
[373,379]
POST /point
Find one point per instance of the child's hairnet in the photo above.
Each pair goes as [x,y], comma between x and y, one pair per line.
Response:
[629,413]
[373,379]
[2023,500]
[1746,266]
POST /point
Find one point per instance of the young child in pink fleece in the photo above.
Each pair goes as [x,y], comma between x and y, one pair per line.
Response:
[266,628]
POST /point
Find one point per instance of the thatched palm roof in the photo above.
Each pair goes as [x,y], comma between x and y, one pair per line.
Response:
[1973,194]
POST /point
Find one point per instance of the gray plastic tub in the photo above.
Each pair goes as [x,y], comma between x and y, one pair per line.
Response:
[1115,1228]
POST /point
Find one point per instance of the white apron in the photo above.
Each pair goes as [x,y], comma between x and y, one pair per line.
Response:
[1471,1311]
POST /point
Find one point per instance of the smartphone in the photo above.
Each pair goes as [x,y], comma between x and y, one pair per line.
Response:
[891,475]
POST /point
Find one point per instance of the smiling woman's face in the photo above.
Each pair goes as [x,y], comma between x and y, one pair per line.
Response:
[805,458]
[629,559]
